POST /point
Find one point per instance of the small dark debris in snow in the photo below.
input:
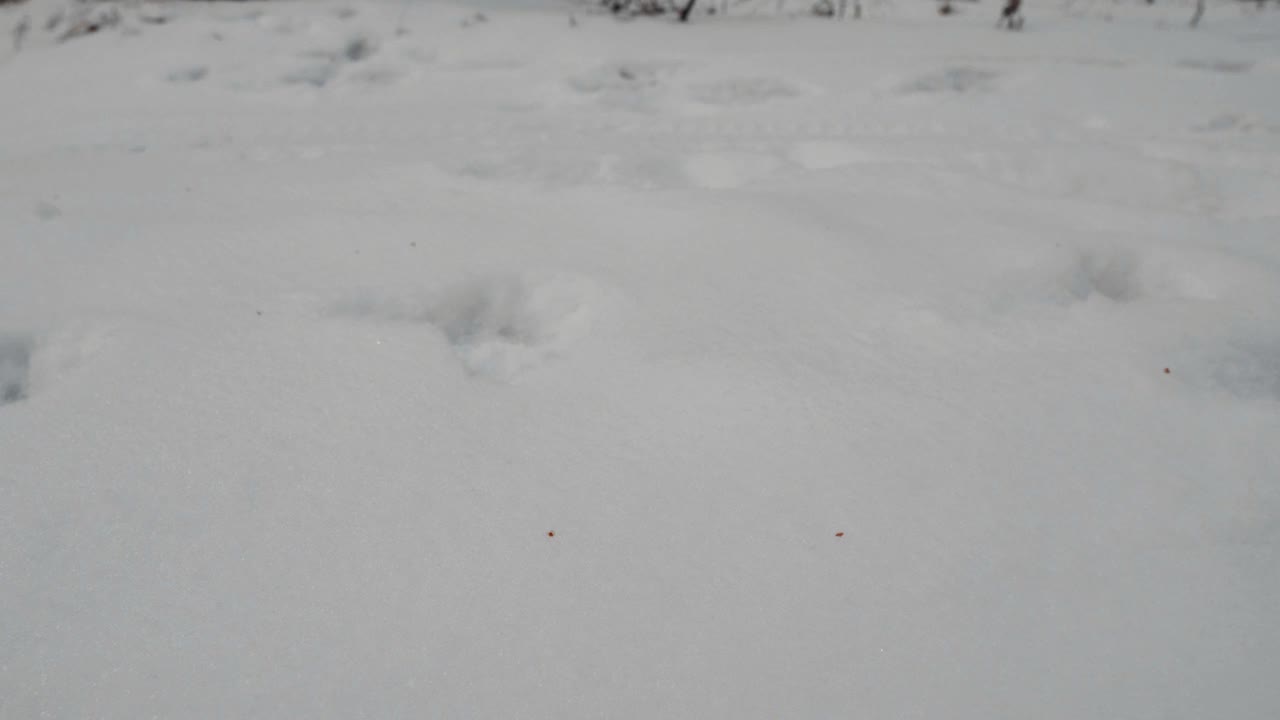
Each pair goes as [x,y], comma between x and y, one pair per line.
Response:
[839,534]
[626,74]
[413,243]
[259,313]
[1167,371]
[551,533]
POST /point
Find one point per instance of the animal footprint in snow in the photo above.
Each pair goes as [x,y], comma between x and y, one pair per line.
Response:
[953,80]
[498,326]
[726,170]
[1241,363]
[501,326]
[15,365]
[356,49]
[744,91]
[1109,275]
[1113,275]
[315,75]
[194,73]
[826,155]
[359,47]
[621,77]
[631,86]
[1248,368]
[1226,67]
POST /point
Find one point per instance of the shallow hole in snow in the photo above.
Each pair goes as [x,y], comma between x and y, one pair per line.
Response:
[953,80]
[744,91]
[1227,67]
[826,155]
[359,48]
[191,74]
[725,170]
[1113,274]
[1250,370]
[314,75]
[15,365]
[501,326]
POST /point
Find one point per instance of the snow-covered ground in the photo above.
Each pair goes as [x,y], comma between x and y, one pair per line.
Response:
[899,368]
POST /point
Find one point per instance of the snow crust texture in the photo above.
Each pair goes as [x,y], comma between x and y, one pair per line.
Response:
[413,360]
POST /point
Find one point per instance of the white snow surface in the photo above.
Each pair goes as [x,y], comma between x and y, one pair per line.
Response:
[894,368]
